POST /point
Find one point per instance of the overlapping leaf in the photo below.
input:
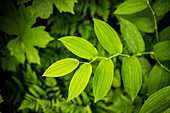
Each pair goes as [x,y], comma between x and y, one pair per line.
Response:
[79,80]
[19,23]
[107,37]
[103,78]
[132,76]
[157,102]
[132,37]
[162,50]
[79,47]
[158,79]
[131,6]
[61,67]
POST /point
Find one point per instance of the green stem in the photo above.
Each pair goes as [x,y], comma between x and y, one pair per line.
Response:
[155,20]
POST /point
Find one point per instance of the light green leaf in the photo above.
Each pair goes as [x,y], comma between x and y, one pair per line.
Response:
[132,37]
[158,79]
[144,24]
[132,76]
[107,37]
[65,5]
[161,7]
[79,47]
[42,8]
[164,35]
[157,102]
[131,6]
[61,67]
[103,78]
[1,100]
[79,80]
[162,50]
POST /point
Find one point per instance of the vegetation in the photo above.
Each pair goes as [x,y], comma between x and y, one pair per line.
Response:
[93,56]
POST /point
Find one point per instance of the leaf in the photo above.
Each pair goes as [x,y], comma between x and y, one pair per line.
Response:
[132,76]
[164,34]
[65,5]
[42,8]
[157,102]
[158,79]
[107,37]
[132,37]
[144,24]
[131,6]
[103,78]
[162,50]
[79,81]
[61,67]
[145,65]
[27,37]
[161,7]
[116,79]
[79,47]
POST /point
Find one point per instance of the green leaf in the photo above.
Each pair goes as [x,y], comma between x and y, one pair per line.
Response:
[103,78]
[79,80]
[65,5]
[61,67]
[162,50]
[42,8]
[145,65]
[132,76]
[132,37]
[157,102]
[1,100]
[158,79]
[107,37]
[79,47]
[131,6]
[164,35]
[116,79]
[161,7]
[144,24]
[27,37]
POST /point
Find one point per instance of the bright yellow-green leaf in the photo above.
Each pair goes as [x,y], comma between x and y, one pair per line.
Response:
[107,37]
[158,79]
[162,50]
[158,102]
[132,37]
[79,47]
[61,67]
[103,78]
[79,81]
[132,76]
[131,6]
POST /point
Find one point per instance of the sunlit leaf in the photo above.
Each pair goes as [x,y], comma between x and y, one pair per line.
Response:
[158,102]
[132,76]
[162,50]
[79,47]
[79,81]
[132,37]
[65,5]
[131,6]
[61,67]
[107,37]
[103,78]
[158,79]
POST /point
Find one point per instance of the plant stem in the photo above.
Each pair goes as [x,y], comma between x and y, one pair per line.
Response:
[155,20]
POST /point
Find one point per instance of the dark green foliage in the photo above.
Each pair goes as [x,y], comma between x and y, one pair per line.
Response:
[29,33]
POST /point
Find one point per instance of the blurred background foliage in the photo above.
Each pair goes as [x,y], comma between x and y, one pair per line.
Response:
[29,30]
